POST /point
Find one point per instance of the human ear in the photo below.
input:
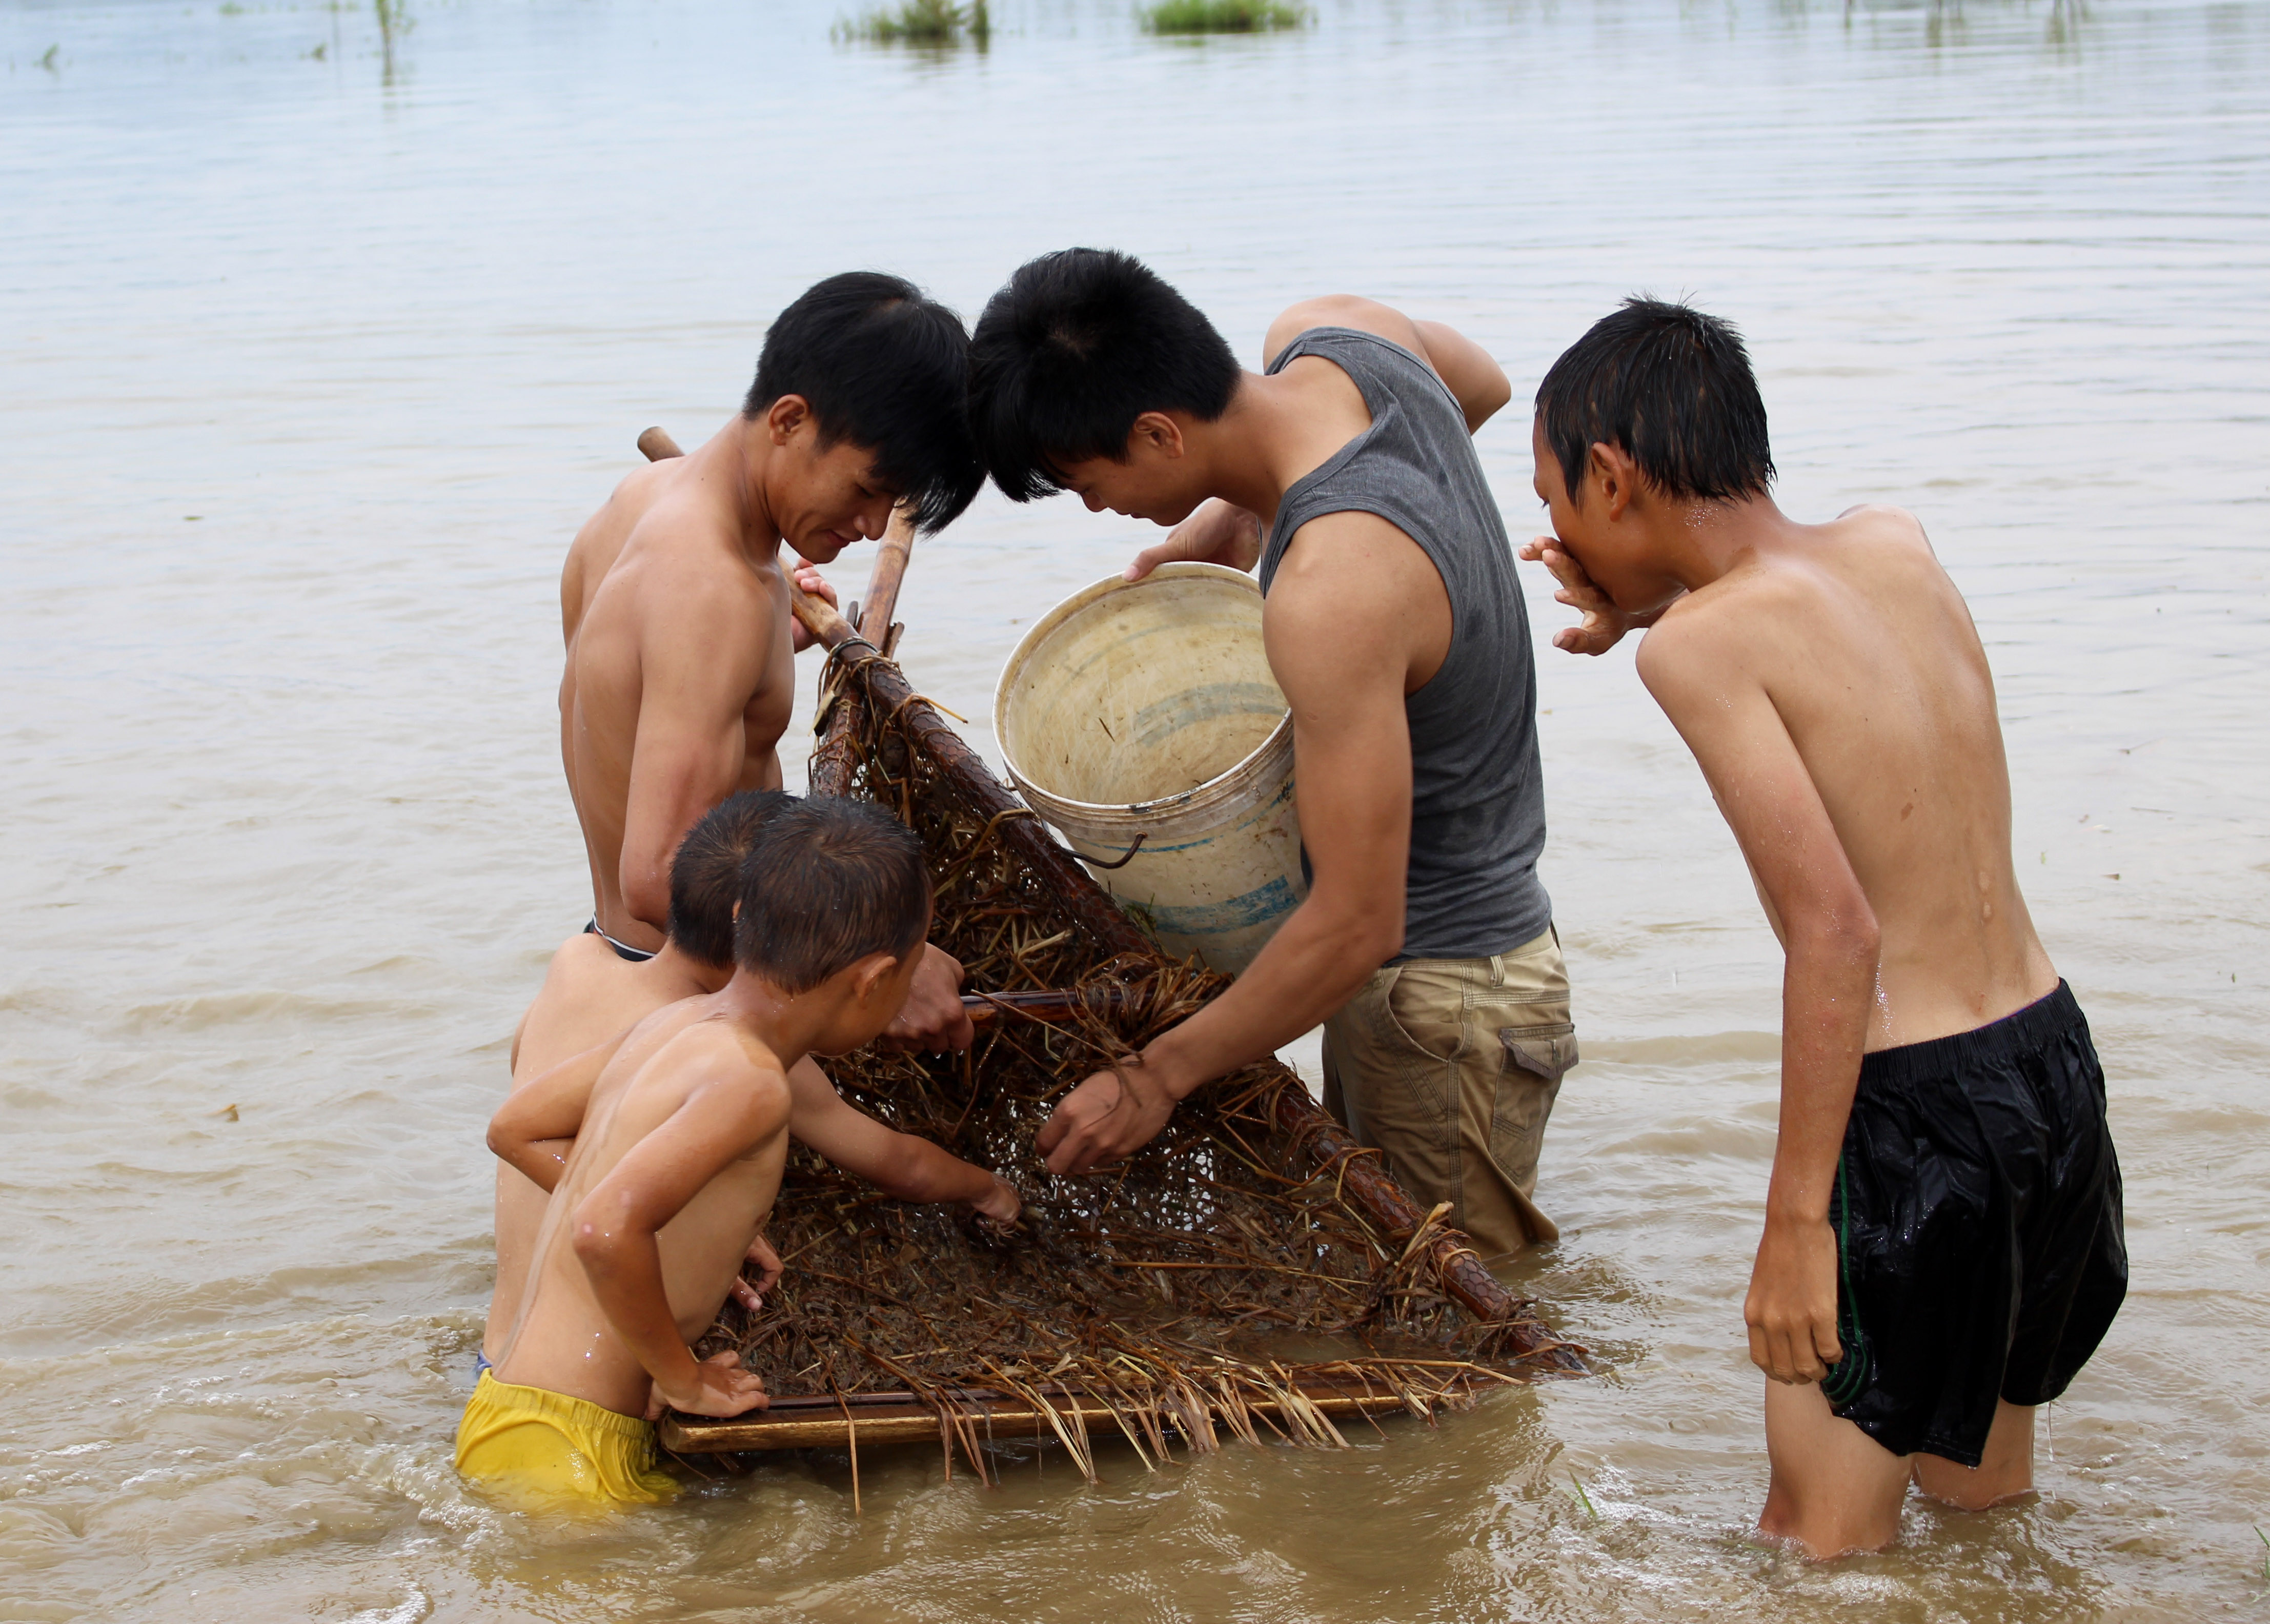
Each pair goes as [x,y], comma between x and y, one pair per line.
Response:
[871,972]
[1610,468]
[1158,431]
[785,416]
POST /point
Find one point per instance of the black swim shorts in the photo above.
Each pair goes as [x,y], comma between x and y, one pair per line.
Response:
[623,950]
[1978,1214]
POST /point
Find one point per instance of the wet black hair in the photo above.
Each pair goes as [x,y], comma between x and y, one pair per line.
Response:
[705,873]
[887,367]
[1071,351]
[826,882]
[1674,387]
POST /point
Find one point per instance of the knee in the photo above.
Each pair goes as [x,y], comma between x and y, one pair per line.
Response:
[1824,1529]
[1968,1490]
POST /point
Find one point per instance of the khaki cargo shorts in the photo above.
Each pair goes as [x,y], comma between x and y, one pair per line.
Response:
[1450,1067]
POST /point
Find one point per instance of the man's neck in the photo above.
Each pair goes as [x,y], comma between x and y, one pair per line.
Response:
[1251,448]
[1701,542]
[784,1023]
[743,453]
[681,973]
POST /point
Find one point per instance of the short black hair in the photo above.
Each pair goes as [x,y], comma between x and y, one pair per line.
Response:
[886,367]
[705,874]
[1071,351]
[1674,387]
[826,882]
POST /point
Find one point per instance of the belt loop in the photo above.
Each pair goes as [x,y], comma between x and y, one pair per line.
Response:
[1497,969]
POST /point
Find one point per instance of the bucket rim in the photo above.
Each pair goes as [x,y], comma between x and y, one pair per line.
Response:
[1199,798]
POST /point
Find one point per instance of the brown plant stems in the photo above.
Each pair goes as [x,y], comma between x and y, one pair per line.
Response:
[1250,1251]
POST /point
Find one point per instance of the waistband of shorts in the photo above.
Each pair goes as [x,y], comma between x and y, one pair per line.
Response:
[1548,940]
[2020,1032]
[563,1409]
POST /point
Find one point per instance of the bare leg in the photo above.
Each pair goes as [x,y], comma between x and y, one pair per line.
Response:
[1835,1489]
[2004,1469]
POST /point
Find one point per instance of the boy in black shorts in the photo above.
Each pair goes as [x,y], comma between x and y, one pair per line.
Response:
[1942,1246]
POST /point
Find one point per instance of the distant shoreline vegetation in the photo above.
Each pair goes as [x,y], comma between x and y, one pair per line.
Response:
[1220,16]
[922,22]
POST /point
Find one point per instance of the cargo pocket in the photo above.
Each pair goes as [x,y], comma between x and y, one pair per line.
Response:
[1546,1050]
[1422,1034]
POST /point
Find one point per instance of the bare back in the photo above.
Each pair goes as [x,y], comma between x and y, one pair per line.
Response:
[679,676]
[590,993]
[1868,656]
[563,1342]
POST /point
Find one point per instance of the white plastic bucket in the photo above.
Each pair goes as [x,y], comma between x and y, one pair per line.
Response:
[1146,707]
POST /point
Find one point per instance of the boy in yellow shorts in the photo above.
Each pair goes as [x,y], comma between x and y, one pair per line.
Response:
[593,994]
[678,1155]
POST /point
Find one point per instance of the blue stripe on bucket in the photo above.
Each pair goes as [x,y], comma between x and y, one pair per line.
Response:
[1156,723]
[1256,906]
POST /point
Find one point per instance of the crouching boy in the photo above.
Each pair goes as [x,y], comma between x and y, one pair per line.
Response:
[1942,1248]
[678,1150]
[592,996]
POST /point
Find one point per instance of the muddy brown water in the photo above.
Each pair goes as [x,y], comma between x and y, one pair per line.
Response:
[317,347]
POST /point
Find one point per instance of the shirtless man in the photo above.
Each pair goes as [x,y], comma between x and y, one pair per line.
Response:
[1942,1248]
[680,671]
[1344,476]
[591,998]
[677,1157]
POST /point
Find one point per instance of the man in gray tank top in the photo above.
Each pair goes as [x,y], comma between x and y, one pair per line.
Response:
[1395,625]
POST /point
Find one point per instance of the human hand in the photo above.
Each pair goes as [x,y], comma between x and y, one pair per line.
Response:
[1103,1119]
[1792,1305]
[999,1205]
[719,1388]
[1216,533]
[807,576]
[933,1018]
[1603,624]
[751,1297]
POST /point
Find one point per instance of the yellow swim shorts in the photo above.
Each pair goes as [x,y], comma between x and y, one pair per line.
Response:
[543,1445]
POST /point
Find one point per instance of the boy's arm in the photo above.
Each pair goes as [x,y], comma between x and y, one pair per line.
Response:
[727,1116]
[1478,383]
[1698,672]
[901,1165]
[535,1129]
[700,662]
[1342,656]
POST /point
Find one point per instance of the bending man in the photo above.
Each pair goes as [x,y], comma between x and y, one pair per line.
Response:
[680,672]
[1395,625]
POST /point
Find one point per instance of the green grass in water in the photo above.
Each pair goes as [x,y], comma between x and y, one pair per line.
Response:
[922,22]
[1221,15]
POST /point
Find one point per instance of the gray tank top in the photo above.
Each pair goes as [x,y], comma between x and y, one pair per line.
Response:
[1477,798]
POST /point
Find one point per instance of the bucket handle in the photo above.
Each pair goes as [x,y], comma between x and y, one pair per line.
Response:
[1121,861]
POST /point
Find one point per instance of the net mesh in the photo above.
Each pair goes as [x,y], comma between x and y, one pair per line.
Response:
[1194,1285]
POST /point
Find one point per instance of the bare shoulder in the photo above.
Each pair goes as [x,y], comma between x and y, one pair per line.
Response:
[602,536]
[714,1048]
[1346,569]
[715,1059]
[1365,315]
[579,965]
[683,583]
[1354,600]
[1717,629]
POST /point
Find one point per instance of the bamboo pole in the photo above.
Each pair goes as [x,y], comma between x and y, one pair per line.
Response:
[832,1421]
[883,584]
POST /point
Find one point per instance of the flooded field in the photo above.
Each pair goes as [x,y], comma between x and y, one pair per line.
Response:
[323,327]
